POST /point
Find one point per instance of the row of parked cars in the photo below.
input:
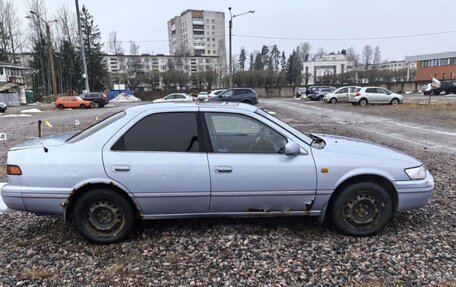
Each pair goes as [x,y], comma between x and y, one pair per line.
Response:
[353,94]
[241,95]
[446,87]
[83,101]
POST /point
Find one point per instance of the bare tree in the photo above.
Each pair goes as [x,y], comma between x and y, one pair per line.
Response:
[10,28]
[367,56]
[114,43]
[304,49]
[67,25]
[320,53]
[377,56]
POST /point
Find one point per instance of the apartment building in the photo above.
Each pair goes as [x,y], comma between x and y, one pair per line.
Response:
[198,33]
[12,88]
[161,63]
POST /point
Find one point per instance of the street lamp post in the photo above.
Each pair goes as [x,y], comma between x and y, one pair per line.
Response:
[83,58]
[51,55]
[230,27]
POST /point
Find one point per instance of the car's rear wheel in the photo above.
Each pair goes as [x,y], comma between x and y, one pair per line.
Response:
[320,98]
[96,105]
[395,101]
[103,216]
[82,107]
[61,107]
[362,209]
[362,102]
[247,102]
[333,100]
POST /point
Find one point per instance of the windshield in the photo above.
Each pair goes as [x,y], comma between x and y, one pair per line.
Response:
[287,127]
[96,127]
[78,98]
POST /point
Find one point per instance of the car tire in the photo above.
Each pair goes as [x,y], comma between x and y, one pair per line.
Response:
[103,216]
[395,101]
[247,102]
[362,102]
[60,107]
[96,105]
[82,107]
[320,98]
[362,209]
[333,100]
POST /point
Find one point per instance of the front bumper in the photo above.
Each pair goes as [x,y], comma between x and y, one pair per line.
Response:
[413,194]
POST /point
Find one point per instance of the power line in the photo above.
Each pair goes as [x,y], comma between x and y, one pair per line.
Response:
[311,39]
[346,39]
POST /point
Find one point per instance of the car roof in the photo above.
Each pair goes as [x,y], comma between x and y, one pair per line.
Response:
[216,105]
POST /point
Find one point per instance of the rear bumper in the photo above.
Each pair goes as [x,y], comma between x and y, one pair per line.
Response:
[413,194]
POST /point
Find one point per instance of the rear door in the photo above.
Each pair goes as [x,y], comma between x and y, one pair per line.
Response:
[160,159]
[249,171]
[371,95]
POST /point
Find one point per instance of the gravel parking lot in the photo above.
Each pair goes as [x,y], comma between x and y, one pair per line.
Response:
[417,248]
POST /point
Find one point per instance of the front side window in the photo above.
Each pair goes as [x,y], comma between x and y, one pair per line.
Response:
[232,133]
[343,91]
[382,91]
[169,132]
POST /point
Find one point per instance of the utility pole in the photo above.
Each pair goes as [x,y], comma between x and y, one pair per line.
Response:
[81,42]
[51,55]
[51,63]
[230,27]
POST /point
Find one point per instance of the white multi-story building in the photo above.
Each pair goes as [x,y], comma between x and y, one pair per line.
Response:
[161,63]
[394,66]
[198,33]
[331,64]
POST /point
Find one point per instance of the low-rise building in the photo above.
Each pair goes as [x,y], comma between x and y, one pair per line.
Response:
[439,65]
[331,64]
[12,88]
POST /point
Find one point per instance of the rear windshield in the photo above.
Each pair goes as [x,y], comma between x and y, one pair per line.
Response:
[96,127]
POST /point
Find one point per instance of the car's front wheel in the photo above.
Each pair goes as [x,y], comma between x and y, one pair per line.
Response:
[96,105]
[333,100]
[395,101]
[103,216]
[362,209]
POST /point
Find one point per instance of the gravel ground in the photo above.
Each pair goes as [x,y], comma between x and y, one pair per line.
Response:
[417,248]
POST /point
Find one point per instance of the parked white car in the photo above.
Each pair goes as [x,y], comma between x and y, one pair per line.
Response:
[340,95]
[215,93]
[178,97]
[374,95]
[202,96]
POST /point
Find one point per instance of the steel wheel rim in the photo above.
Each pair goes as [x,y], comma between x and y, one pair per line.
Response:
[105,217]
[362,103]
[395,102]
[333,101]
[363,209]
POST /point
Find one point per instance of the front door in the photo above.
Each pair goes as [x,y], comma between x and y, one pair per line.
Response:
[249,171]
[160,160]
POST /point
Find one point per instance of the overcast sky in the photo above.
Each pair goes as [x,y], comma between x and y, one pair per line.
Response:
[146,20]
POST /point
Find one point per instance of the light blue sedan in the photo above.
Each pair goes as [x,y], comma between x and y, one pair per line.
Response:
[174,160]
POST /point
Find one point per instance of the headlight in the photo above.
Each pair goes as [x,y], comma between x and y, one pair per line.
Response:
[416,172]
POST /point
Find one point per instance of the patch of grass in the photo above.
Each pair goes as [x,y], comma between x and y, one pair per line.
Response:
[441,105]
[33,274]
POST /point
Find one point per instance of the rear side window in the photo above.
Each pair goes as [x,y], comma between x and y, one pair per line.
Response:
[371,90]
[171,132]
[239,92]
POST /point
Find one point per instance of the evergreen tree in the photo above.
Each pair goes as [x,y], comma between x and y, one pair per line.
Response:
[294,68]
[242,58]
[264,55]
[251,62]
[92,44]
[258,65]
[275,58]
[71,67]
[283,61]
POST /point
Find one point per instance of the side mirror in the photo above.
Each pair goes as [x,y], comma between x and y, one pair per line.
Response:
[292,149]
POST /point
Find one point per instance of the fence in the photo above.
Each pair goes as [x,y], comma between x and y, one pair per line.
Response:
[10,99]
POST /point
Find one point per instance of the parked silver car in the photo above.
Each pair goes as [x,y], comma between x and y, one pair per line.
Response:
[340,95]
[375,95]
[174,160]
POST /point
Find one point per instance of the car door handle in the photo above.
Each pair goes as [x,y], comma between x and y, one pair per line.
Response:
[120,168]
[223,169]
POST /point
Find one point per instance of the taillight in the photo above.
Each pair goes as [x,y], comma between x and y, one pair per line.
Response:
[13,170]
[357,94]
